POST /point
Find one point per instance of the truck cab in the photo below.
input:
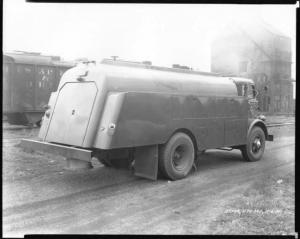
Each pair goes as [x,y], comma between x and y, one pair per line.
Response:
[246,88]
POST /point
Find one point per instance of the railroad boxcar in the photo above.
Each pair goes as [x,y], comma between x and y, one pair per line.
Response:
[28,80]
[156,118]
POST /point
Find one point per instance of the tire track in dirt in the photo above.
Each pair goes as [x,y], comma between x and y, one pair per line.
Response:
[165,206]
[156,209]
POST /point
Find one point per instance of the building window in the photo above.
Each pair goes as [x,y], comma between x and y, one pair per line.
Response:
[243,66]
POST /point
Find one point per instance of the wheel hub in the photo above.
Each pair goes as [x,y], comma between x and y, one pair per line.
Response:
[178,157]
[256,145]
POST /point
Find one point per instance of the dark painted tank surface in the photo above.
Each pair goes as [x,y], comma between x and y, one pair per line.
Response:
[110,105]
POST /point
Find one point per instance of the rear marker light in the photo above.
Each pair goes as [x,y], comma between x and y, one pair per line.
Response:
[46,107]
[47,114]
[111,129]
[112,126]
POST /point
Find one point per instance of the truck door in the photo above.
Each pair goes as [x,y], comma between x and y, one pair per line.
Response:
[236,121]
[71,113]
[236,116]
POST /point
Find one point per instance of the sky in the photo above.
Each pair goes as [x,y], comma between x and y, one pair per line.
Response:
[165,34]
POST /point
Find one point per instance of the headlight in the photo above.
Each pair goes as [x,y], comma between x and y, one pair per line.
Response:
[262,117]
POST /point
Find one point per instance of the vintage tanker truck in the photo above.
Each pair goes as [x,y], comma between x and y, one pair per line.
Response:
[156,118]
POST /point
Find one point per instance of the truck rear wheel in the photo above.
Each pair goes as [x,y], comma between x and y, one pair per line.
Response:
[255,147]
[177,156]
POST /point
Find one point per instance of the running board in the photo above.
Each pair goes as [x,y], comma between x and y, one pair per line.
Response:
[226,148]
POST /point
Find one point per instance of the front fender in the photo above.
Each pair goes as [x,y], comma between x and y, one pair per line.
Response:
[259,123]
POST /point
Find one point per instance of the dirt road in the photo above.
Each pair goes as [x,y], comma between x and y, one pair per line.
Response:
[40,197]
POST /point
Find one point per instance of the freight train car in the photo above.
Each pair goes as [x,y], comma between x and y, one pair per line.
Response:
[28,80]
[155,117]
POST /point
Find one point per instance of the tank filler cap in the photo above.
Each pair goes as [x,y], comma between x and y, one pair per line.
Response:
[82,75]
[111,129]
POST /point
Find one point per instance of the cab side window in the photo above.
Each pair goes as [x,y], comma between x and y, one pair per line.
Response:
[239,89]
[245,92]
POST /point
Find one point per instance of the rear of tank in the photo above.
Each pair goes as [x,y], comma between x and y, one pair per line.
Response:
[73,110]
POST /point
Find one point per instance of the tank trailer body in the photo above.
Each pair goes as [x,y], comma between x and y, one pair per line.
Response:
[157,118]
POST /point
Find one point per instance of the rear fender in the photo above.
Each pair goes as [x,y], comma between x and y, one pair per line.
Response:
[197,145]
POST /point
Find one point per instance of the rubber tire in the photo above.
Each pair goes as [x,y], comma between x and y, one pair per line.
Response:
[166,166]
[247,149]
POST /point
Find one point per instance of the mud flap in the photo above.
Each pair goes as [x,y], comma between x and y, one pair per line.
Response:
[270,137]
[146,162]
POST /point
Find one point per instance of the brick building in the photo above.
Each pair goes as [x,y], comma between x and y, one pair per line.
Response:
[257,51]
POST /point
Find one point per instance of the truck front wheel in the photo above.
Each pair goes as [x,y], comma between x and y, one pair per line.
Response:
[255,147]
[177,156]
